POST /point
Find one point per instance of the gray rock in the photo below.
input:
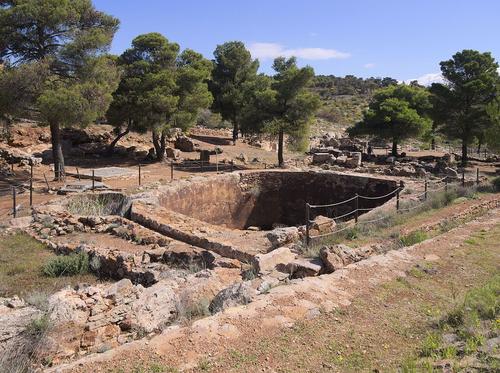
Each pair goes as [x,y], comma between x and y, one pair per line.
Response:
[235,295]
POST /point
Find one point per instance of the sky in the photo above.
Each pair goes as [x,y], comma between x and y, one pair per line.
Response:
[403,39]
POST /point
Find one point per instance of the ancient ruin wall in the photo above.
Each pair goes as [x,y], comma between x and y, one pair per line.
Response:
[265,198]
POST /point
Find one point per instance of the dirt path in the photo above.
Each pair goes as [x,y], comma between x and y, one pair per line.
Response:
[201,346]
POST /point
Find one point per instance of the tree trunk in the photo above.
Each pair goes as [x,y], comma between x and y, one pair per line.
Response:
[111,147]
[394,148]
[160,144]
[464,153]
[236,130]
[280,148]
[57,153]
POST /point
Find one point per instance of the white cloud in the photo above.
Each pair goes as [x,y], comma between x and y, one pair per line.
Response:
[266,51]
[369,65]
[427,79]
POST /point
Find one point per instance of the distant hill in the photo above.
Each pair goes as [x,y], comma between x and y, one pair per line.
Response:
[343,100]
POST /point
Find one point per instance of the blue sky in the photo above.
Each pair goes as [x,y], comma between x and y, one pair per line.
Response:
[404,39]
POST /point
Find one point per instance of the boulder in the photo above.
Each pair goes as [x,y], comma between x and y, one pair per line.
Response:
[354,161]
[172,153]
[283,236]
[155,308]
[336,257]
[184,144]
[300,268]
[321,225]
[320,158]
[341,159]
[234,295]
[269,261]
[242,157]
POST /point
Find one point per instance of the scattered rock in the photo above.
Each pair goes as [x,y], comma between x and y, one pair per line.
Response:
[234,295]
[268,262]
[283,236]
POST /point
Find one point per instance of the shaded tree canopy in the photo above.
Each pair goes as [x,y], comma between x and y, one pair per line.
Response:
[62,45]
[160,88]
[233,69]
[396,113]
[460,104]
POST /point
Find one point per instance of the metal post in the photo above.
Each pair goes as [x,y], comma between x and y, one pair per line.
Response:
[93,180]
[265,166]
[78,174]
[425,189]
[446,184]
[397,200]
[463,177]
[46,182]
[14,212]
[357,209]
[171,170]
[477,175]
[216,162]
[308,217]
[139,174]
[31,183]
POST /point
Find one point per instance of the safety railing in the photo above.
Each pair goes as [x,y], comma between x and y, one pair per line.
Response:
[441,184]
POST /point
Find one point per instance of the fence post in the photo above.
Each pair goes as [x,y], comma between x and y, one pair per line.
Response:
[139,174]
[397,200]
[201,166]
[31,183]
[46,182]
[93,180]
[232,165]
[78,174]
[463,177]
[308,217]
[172,170]
[477,175]
[14,212]
[425,189]
[357,209]
[446,184]
[216,162]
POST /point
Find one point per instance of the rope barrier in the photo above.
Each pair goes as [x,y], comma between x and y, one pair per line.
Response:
[333,204]
[384,196]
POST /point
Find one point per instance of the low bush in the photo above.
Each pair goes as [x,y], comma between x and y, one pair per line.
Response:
[68,265]
[413,238]
[496,184]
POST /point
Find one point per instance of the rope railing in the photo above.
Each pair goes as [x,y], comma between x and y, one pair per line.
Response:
[421,198]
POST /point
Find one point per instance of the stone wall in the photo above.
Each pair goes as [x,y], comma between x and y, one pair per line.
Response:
[267,199]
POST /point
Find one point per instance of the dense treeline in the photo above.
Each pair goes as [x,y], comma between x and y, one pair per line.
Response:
[56,69]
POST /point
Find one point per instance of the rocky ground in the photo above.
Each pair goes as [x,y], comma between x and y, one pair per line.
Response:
[166,291]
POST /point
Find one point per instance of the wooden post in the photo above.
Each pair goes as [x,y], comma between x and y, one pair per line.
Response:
[477,175]
[356,215]
[425,189]
[93,180]
[265,166]
[139,174]
[201,165]
[308,217]
[78,174]
[14,212]
[397,200]
[446,184]
[171,170]
[31,183]
[46,182]
[463,177]
[232,165]
[12,167]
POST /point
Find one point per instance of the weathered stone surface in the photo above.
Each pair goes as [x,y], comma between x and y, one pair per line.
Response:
[184,144]
[320,158]
[234,295]
[322,225]
[172,153]
[283,236]
[268,262]
[155,307]
[300,268]
[354,161]
[67,306]
[451,172]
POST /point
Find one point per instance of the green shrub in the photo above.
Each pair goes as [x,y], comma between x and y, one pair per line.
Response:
[68,265]
[431,345]
[413,238]
[39,325]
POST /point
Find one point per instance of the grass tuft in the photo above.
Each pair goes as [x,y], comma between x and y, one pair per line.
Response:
[67,265]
